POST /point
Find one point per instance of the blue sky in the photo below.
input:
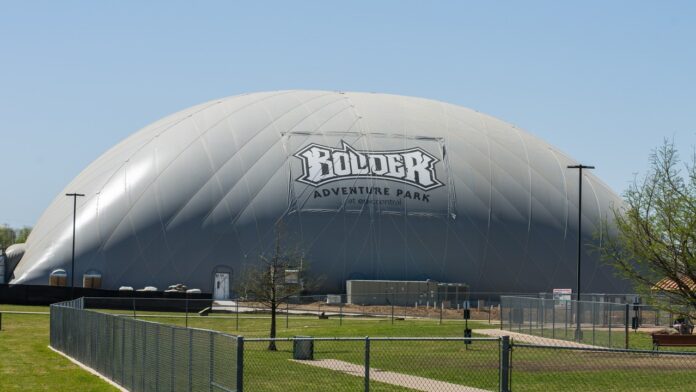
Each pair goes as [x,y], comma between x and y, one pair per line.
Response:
[603,81]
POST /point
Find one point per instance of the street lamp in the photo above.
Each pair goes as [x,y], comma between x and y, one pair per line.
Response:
[72,264]
[578,331]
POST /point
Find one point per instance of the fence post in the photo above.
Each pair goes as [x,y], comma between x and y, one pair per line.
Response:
[157,357]
[367,364]
[123,351]
[190,360]
[594,321]
[628,309]
[240,363]
[500,315]
[212,361]
[565,316]
[0,321]
[611,315]
[172,360]
[542,317]
[114,321]
[144,365]
[236,304]
[505,364]
[553,319]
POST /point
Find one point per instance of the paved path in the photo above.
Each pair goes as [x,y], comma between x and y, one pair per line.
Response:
[393,378]
[525,338]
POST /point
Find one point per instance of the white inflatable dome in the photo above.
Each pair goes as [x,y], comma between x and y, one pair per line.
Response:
[370,186]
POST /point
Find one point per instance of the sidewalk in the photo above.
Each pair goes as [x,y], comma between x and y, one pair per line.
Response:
[393,378]
[525,338]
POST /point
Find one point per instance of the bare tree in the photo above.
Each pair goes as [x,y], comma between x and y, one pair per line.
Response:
[655,240]
[276,278]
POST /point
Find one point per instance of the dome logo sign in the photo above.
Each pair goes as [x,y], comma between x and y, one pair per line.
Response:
[322,165]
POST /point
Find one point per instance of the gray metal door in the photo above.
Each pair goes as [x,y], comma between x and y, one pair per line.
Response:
[221,289]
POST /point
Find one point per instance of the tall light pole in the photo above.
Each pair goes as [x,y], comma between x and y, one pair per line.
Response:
[72,264]
[578,331]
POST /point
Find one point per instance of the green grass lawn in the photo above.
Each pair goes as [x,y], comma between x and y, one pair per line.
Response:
[23,308]
[27,364]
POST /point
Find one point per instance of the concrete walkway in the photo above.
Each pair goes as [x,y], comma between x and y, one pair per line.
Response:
[533,339]
[393,378]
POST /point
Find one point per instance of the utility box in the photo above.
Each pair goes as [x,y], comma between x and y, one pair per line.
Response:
[303,348]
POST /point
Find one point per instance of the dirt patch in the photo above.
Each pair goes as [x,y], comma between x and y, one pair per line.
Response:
[399,311]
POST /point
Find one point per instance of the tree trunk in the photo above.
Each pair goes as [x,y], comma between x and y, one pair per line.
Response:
[272,344]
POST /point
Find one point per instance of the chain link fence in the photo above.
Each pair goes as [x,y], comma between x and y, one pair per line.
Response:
[372,364]
[145,356]
[180,311]
[450,364]
[544,368]
[603,324]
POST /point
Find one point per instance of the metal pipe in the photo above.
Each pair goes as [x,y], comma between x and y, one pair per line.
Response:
[72,264]
[240,363]
[505,364]
[405,339]
[367,364]
[578,331]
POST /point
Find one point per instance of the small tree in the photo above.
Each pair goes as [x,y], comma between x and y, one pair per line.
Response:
[655,239]
[8,236]
[23,234]
[266,282]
